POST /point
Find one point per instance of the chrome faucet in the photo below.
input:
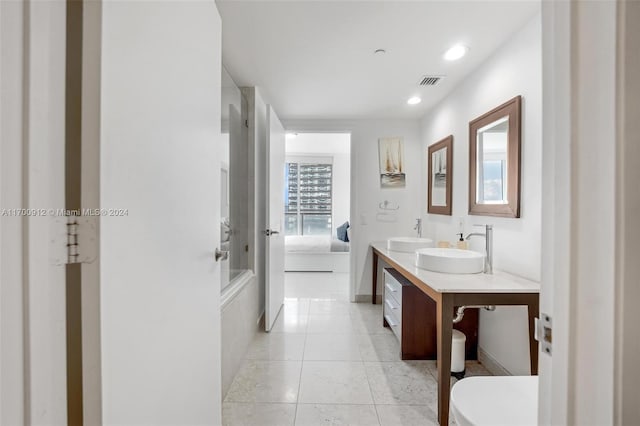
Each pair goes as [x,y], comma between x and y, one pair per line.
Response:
[418,227]
[488,236]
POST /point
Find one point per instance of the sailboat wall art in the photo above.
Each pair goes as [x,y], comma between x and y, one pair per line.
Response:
[391,155]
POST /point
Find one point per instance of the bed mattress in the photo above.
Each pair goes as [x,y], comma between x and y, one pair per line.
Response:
[314,244]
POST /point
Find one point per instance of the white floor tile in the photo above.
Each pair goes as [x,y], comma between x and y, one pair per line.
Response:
[277,346]
[372,324]
[334,382]
[474,368]
[295,307]
[365,310]
[317,285]
[379,347]
[257,414]
[334,324]
[331,347]
[329,307]
[266,381]
[349,362]
[406,415]
[336,414]
[407,382]
[290,324]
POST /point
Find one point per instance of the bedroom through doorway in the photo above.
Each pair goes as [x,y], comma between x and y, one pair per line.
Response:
[317,197]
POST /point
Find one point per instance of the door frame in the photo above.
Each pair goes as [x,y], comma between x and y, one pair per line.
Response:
[352,194]
[627,369]
[274,279]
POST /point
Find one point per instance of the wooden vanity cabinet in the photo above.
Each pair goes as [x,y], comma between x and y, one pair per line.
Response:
[411,315]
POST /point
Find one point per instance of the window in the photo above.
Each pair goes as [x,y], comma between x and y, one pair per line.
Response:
[308,198]
[494,185]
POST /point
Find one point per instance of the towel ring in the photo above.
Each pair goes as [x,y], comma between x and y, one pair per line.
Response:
[386,205]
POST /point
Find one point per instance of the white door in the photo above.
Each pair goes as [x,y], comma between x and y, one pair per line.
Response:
[274,269]
[586,87]
[160,298]
[33,389]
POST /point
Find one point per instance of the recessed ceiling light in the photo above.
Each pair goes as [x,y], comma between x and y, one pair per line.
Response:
[379,52]
[414,100]
[456,52]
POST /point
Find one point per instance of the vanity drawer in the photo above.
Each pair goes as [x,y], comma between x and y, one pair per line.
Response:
[391,305]
[392,287]
[394,323]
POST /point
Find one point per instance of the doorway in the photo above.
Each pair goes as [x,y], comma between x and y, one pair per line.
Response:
[317,214]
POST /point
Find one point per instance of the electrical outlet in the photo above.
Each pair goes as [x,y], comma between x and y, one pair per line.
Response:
[460,224]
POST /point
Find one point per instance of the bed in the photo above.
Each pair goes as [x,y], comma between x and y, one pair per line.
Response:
[315,253]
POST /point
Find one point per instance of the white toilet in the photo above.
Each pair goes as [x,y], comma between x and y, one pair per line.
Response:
[494,401]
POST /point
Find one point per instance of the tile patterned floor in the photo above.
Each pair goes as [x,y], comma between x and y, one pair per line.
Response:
[331,362]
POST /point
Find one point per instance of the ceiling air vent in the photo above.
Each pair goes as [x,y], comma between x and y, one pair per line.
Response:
[430,80]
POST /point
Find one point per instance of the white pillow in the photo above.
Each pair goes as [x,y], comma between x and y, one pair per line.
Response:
[349,233]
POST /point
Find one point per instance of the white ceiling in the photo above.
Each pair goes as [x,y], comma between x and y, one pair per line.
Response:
[314,59]
[318,143]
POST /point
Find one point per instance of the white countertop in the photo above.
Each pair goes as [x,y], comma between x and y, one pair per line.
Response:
[498,282]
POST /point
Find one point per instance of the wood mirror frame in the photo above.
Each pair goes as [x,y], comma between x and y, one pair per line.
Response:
[511,109]
[448,144]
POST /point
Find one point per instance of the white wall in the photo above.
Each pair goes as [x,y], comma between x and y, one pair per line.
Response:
[336,146]
[239,326]
[341,190]
[161,64]
[514,69]
[366,193]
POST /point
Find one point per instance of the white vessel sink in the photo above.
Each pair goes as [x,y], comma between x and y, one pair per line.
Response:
[408,244]
[451,261]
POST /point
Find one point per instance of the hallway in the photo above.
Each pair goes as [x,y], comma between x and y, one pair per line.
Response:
[329,361]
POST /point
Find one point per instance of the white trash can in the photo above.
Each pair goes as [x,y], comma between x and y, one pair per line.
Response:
[457,354]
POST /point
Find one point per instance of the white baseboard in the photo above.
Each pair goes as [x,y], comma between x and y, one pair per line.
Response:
[490,363]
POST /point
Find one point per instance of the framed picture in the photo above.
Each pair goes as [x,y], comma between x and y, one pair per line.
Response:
[440,160]
[391,155]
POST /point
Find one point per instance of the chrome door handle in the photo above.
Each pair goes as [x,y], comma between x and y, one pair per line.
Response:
[221,254]
[269,232]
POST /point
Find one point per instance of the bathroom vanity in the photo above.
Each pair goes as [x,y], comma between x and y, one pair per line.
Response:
[411,316]
[451,290]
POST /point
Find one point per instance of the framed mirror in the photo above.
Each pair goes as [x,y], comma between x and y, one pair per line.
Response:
[440,166]
[494,161]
